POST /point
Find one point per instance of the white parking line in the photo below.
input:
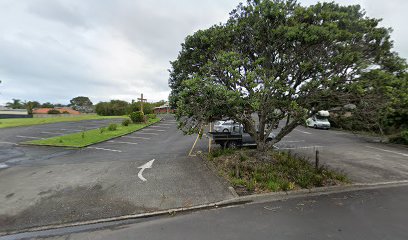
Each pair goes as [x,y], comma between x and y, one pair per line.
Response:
[147,133]
[29,137]
[149,129]
[385,150]
[2,165]
[104,149]
[159,127]
[136,137]
[63,129]
[123,142]
[303,131]
[11,143]
[295,141]
[290,148]
[52,133]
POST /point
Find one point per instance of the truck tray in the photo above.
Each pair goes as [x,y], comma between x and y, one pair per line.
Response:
[224,136]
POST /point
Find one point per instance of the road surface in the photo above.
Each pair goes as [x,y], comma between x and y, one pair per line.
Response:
[365,214]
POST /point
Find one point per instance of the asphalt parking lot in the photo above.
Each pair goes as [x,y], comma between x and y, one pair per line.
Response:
[46,185]
[363,159]
[12,154]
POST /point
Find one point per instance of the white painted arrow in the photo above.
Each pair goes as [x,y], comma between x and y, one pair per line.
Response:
[143,167]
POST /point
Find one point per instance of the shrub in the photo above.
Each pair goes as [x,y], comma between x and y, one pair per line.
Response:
[112,127]
[112,108]
[53,111]
[126,122]
[65,112]
[137,117]
[401,138]
[151,116]
[101,130]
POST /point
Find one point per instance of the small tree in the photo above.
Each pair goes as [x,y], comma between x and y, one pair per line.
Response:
[15,104]
[273,59]
[30,105]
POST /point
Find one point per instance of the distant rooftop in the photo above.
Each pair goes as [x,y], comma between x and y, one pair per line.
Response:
[166,105]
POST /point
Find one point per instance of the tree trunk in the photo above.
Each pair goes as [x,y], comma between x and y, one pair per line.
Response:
[261,146]
[287,120]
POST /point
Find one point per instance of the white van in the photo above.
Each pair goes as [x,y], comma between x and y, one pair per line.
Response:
[319,120]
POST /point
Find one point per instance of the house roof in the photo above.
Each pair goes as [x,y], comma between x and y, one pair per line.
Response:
[60,109]
[166,105]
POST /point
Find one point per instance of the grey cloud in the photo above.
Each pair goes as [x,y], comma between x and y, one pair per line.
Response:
[53,50]
[55,10]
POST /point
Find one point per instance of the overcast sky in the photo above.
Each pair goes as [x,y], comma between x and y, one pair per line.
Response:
[54,50]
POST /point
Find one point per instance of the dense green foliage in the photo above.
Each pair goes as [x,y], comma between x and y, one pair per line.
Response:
[401,137]
[151,116]
[381,100]
[81,104]
[53,111]
[112,108]
[275,59]
[30,105]
[119,107]
[48,105]
[137,117]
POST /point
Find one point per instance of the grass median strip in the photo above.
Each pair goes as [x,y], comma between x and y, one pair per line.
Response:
[20,122]
[250,172]
[86,138]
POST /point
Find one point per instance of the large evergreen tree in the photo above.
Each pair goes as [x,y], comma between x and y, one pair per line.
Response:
[276,59]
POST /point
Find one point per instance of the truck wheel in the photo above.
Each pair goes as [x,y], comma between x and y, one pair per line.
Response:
[225,130]
[232,145]
[315,126]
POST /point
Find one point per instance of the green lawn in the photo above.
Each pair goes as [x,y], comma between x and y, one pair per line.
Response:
[19,122]
[86,138]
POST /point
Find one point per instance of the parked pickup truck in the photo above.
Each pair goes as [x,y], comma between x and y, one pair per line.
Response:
[235,138]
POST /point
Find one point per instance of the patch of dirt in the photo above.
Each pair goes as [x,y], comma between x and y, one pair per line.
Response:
[9,195]
[70,205]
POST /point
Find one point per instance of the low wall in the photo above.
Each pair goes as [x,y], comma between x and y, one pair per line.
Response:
[61,115]
[3,116]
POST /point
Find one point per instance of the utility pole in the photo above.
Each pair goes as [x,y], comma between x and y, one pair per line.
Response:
[141,99]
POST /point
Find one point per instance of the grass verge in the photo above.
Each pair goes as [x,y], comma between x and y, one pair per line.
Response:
[277,171]
[20,122]
[86,138]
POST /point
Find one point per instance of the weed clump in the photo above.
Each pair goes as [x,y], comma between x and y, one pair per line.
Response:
[126,122]
[112,127]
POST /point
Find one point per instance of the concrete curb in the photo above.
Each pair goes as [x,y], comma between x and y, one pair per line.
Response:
[249,199]
[275,196]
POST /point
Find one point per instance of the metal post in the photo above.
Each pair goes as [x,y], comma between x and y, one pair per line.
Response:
[317,159]
[209,141]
